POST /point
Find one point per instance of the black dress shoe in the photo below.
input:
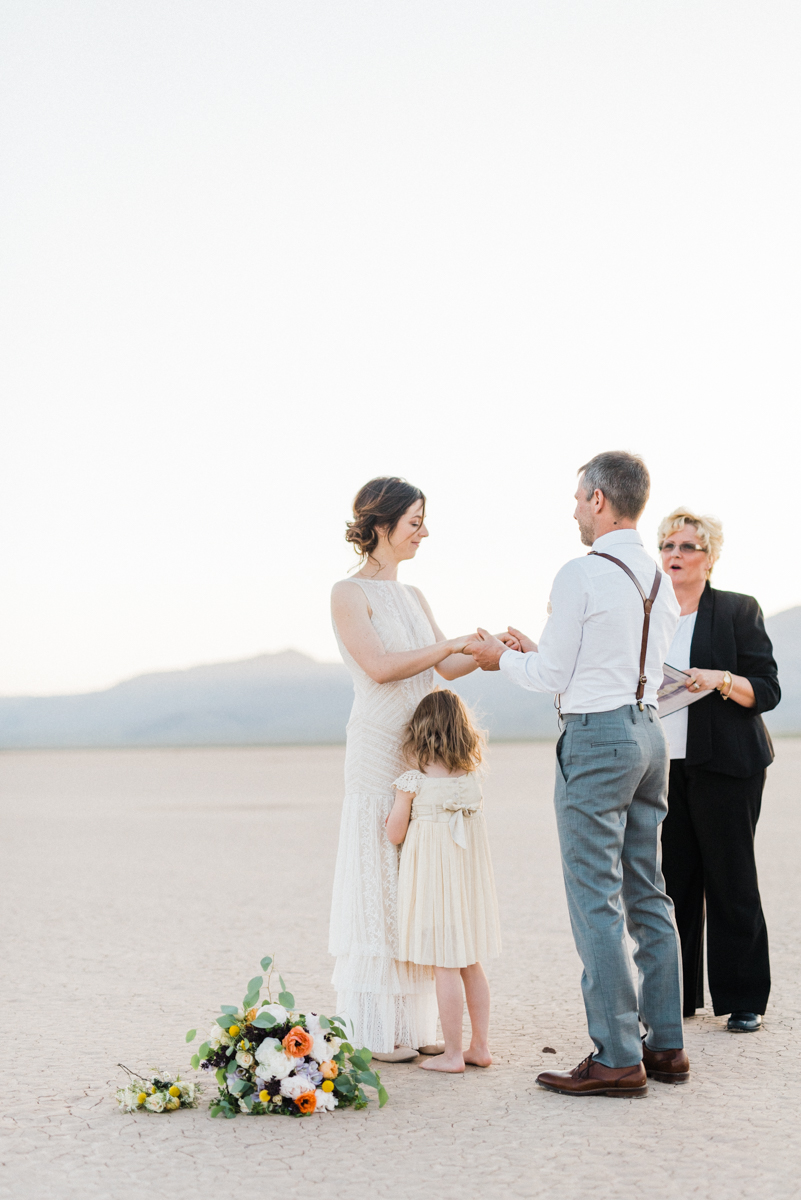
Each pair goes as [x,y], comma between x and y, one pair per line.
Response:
[743,1022]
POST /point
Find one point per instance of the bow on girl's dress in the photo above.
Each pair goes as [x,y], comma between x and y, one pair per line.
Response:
[459,808]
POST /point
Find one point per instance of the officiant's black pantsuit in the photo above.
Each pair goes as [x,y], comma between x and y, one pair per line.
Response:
[714,801]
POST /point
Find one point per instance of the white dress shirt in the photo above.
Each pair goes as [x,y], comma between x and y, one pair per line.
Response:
[589,651]
[678,655]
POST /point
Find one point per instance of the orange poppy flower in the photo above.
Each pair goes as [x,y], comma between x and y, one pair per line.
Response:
[307,1102]
[298,1043]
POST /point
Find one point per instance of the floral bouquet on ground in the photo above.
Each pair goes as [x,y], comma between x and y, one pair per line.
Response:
[159,1092]
[270,1058]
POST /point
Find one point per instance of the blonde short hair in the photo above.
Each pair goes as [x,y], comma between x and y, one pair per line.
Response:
[710,530]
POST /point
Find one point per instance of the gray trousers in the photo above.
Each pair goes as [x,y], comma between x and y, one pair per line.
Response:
[611,799]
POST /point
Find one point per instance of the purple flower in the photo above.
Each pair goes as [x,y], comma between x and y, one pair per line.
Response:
[308,1070]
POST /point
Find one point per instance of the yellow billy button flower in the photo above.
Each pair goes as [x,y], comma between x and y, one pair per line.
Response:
[264,1096]
[233,1030]
[140,1099]
[175,1091]
[327,1085]
[153,1089]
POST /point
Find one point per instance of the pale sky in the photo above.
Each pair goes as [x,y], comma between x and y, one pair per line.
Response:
[255,253]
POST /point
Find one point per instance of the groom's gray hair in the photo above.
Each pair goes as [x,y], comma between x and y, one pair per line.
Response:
[623,478]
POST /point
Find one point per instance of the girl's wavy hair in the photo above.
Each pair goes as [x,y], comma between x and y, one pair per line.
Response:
[381,502]
[442,731]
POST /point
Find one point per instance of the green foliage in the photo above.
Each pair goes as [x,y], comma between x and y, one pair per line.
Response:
[264,1020]
[195,1061]
[228,1008]
[266,963]
[225,1022]
[203,1052]
[255,984]
[190,1037]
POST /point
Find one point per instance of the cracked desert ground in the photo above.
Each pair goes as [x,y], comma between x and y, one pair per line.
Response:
[140,890]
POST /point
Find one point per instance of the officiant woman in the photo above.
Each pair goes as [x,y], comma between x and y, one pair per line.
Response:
[719,752]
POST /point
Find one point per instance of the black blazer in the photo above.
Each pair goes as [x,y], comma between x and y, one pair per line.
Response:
[730,635]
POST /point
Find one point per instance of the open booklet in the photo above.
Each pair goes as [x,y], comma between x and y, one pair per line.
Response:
[673,693]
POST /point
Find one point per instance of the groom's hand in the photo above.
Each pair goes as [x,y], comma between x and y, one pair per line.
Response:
[486,650]
[523,643]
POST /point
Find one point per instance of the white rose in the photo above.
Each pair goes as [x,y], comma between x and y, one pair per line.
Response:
[274,1063]
[187,1090]
[325,1101]
[244,1058]
[275,1010]
[155,1102]
[126,1098]
[294,1086]
[218,1036]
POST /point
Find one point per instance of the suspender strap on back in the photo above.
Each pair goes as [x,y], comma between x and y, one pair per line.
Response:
[648,604]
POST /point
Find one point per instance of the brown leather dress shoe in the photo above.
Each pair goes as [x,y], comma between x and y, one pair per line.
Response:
[666,1066]
[591,1078]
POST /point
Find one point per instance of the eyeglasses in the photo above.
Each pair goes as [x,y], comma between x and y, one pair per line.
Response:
[684,548]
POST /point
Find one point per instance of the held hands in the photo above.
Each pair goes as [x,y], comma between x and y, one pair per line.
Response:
[510,638]
[515,640]
[487,650]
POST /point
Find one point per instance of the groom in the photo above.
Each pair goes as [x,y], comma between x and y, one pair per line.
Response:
[603,658]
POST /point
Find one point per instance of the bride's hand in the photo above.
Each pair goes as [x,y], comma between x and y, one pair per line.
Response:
[458,644]
[508,639]
[523,643]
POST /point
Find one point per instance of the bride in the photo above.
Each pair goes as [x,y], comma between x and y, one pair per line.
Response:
[391,645]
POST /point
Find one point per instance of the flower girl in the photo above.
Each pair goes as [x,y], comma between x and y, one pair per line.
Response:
[447,908]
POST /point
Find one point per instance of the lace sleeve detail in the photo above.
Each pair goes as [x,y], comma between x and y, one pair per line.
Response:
[409,782]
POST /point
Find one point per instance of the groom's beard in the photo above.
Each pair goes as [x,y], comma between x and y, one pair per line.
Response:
[587,532]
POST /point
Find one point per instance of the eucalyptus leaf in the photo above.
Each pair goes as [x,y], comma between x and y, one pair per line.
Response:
[220,1076]
[250,1001]
[215,1110]
[248,1102]
[383,1095]
[266,963]
[264,1020]
[228,1008]
[324,1023]
[236,1085]
[287,999]
[195,1061]
[203,1052]
[225,1022]
[190,1037]
[281,981]
[256,984]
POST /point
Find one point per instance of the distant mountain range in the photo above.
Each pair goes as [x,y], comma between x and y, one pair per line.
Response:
[290,699]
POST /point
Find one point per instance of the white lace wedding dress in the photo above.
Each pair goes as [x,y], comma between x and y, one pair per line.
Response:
[391,1003]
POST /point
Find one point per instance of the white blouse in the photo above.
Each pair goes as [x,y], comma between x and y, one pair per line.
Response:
[675,724]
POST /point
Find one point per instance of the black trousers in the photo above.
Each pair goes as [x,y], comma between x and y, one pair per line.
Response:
[708,855]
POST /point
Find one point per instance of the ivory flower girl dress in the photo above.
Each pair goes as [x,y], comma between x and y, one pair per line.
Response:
[447,906]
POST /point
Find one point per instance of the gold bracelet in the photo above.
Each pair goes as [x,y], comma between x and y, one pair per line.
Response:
[726,681]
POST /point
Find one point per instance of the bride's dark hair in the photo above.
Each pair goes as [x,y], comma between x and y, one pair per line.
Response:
[381,502]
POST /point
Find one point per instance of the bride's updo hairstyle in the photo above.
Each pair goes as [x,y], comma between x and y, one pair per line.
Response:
[381,502]
[441,731]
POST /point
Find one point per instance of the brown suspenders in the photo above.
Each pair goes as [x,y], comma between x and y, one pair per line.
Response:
[648,604]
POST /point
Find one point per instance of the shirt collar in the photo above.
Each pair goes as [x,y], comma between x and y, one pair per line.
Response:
[616,537]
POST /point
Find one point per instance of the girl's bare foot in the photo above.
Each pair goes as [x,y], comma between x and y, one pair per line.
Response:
[452,1063]
[478,1056]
